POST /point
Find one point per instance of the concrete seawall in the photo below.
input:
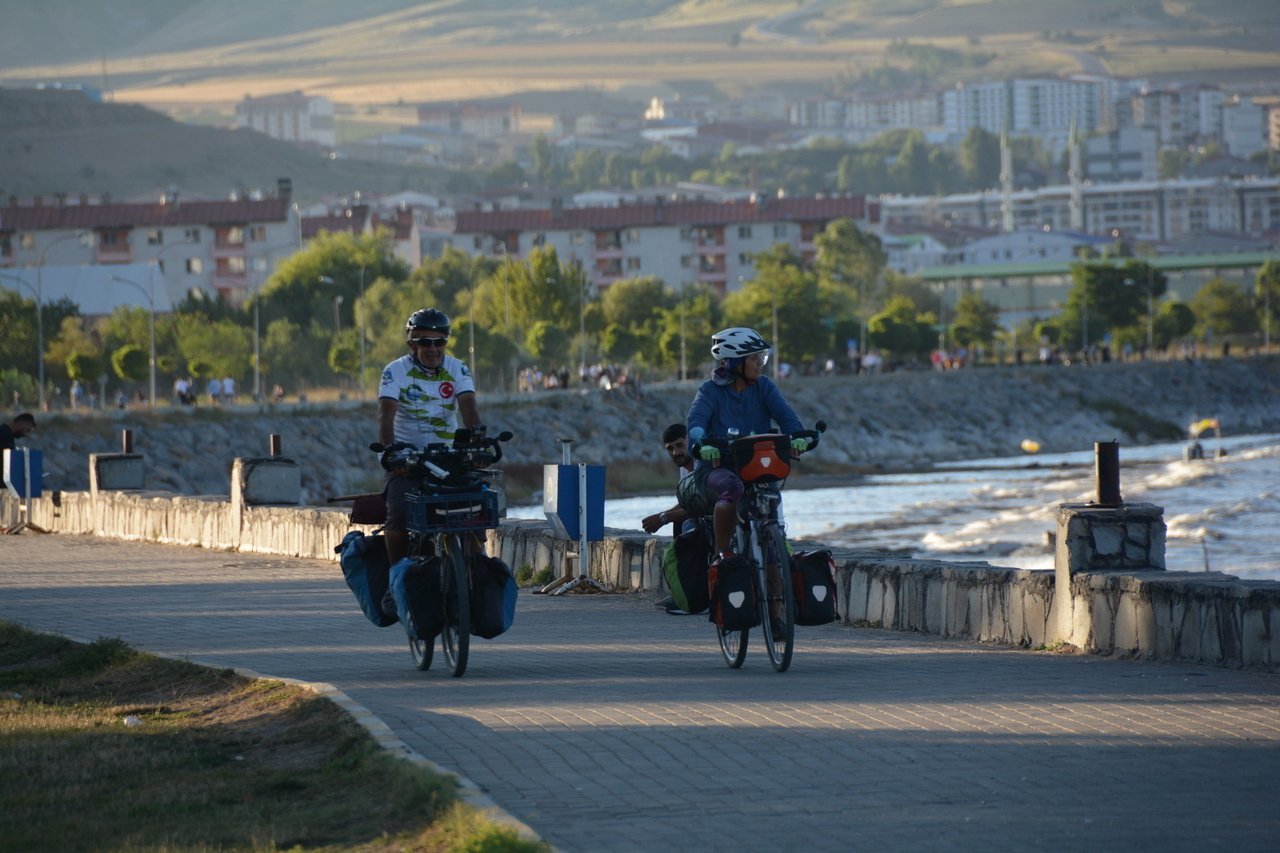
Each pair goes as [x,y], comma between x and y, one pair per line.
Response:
[1203,617]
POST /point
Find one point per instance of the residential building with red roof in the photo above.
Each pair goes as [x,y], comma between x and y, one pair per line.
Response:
[680,242]
[225,247]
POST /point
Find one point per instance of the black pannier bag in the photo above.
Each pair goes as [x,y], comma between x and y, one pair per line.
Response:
[493,596]
[813,579]
[415,585]
[366,570]
[684,567]
[731,583]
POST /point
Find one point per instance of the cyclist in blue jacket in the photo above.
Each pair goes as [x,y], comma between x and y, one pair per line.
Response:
[738,400]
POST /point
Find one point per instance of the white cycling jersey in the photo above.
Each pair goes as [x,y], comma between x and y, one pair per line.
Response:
[426,402]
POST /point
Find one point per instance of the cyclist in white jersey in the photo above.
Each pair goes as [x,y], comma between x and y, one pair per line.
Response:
[420,399]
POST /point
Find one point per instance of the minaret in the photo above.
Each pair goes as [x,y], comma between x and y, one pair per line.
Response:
[1006,179]
[1076,205]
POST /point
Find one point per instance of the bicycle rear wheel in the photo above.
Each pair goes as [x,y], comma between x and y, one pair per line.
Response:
[773,552]
[455,639]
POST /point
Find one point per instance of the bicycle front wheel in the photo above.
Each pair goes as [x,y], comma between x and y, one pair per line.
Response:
[777,602]
[422,650]
[733,645]
[455,586]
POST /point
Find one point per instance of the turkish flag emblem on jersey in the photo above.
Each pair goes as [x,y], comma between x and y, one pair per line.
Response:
[446,390]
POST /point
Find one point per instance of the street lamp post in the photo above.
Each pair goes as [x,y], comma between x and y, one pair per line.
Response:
[79,235]
[337,323]
[777,349]
[582,329]
[257,334]
[151,328]
[683,372]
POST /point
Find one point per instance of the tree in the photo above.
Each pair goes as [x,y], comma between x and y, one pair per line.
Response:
[1171,163]
[900,329]
[849,264]
[1266,298]
[225,346]
[980,159]
[299,292]
[73,337]
[295,356]
[1223,308]
[634,303]
[1173,320]
[85,367]
[976,320]
[1109,297]
[791,292]
[130,363]
[546,343]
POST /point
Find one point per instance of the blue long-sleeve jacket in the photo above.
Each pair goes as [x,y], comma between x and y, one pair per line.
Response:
[752,411]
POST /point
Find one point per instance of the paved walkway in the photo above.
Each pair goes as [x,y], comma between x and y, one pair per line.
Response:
[606,724]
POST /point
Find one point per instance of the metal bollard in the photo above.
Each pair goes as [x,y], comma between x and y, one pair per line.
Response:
[275,444]
[126,441]
[1107,472]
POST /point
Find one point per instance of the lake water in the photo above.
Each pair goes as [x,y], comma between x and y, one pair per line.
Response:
[1221,512]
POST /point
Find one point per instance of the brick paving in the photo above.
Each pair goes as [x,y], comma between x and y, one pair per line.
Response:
[605,724]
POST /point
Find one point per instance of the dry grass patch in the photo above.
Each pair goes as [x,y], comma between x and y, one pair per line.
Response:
[104,747]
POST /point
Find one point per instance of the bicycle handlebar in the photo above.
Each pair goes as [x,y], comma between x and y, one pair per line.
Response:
[471,450]
[698,437]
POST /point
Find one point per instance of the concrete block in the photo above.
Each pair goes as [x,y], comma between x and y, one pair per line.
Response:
[1254,646]
[265,481]
[110,472]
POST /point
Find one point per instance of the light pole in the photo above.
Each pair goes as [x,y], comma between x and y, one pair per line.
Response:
[79,235]
[582,329]
[777,349]
[337,324]
[257,334]
[151,328]
[683,373]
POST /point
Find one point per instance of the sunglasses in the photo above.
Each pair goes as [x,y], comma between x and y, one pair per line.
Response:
[428,342]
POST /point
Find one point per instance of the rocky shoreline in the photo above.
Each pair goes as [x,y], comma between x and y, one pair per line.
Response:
[887,422]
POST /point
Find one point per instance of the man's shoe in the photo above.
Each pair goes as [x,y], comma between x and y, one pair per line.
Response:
[388,605]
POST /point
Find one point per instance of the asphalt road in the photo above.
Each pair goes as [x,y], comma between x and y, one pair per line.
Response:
[606,724]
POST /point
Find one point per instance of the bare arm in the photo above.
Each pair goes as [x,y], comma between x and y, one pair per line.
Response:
[653,523]
[387,420]
[470,411]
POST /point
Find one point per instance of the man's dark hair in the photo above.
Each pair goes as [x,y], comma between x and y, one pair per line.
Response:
[25,418]
[673,432]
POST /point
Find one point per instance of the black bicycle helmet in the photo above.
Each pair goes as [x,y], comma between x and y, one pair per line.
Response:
[427,320]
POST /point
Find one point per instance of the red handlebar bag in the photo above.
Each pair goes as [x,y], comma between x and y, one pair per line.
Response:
[762,458]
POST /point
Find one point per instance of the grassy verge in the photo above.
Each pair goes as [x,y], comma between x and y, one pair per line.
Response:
[103,747]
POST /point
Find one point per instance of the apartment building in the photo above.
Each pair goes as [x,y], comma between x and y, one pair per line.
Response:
[1128,154]
[680,242]
[224,247]
[292,117]
[1148,210]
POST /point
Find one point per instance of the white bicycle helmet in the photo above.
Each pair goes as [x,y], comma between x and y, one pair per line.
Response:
[736,342]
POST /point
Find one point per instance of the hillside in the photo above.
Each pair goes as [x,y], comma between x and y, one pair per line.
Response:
[62,142]
[186,53]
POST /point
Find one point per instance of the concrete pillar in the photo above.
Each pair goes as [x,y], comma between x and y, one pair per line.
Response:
[111,472]
[1091,539]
